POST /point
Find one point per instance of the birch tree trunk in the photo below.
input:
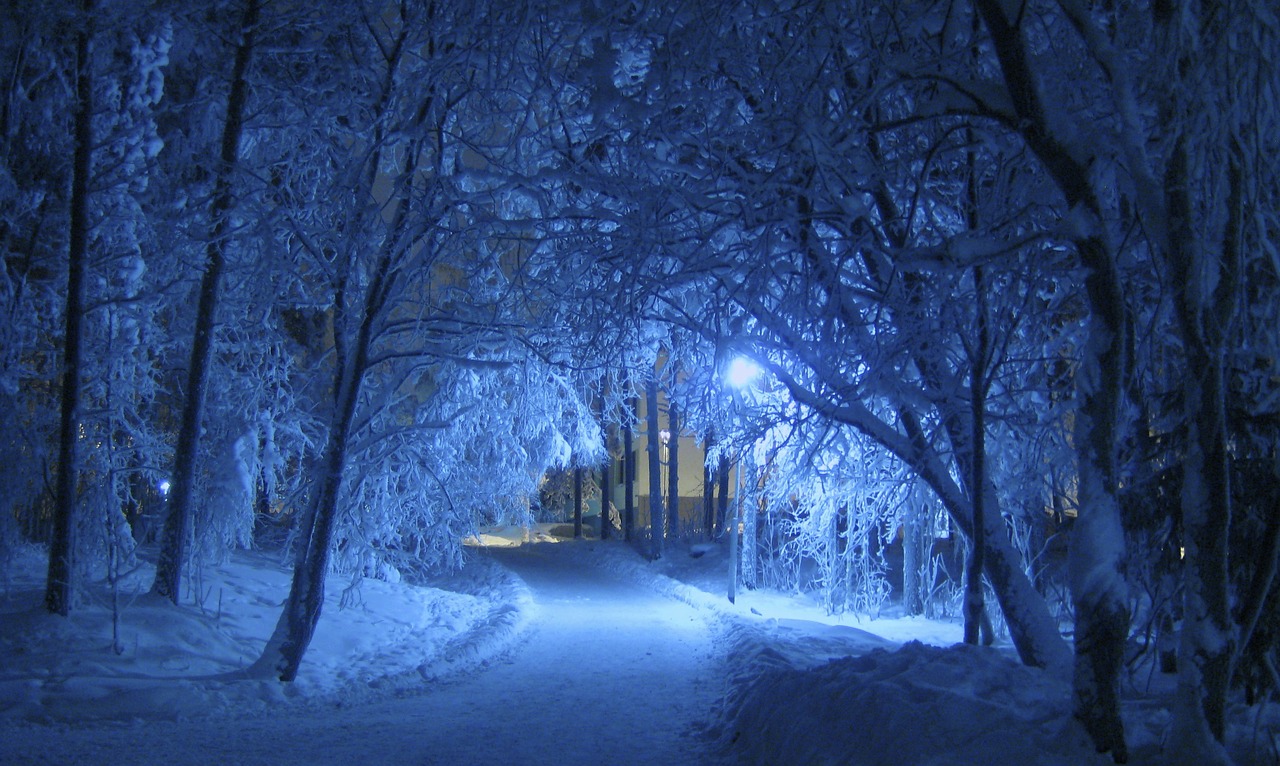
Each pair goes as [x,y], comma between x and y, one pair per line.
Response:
[284,651]
[912,601]
[362,292]
[296,627]
[1097,544]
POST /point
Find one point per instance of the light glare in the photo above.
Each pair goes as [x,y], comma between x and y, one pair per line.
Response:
[742,371]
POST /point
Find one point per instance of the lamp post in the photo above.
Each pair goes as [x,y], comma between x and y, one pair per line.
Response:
[740,373]
[733,536]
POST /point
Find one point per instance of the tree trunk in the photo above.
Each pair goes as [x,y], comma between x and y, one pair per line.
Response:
[1097,549]
[629,473]
[57,595]
[1097,544]
[1253,607]
[606,480]
[297,624]
[172,558]
[731,528]
[296,627]
[974,608]
[655,469]
[750,515]
[974,601]
[1031,627]
[283,653]
[912,598]
[577,503]
[722,472]
[673,470]
[606,497]
[708,501]
[1205,641]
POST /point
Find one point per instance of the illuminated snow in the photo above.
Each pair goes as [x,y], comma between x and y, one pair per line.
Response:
[587,654]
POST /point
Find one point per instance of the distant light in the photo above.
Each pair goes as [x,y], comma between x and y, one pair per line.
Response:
[741,371]
[664,436]
[164,487]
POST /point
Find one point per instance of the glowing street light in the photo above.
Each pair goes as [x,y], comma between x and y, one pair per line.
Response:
[742,370]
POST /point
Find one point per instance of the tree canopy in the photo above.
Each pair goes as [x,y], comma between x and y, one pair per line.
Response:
[1009,270]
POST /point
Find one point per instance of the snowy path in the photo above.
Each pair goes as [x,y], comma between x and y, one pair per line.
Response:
[610,673]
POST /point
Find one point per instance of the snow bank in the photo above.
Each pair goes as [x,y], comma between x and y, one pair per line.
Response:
[806,687]
[511,609]
[809,687]
[918,704]
[697,574]
[176,663]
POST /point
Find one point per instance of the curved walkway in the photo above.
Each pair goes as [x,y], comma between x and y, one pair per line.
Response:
[610,673]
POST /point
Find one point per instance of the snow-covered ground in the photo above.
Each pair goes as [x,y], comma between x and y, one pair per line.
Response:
[808,687]
[570,653]
[558,664]
[181,662]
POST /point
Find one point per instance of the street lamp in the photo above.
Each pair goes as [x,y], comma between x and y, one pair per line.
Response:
[741,371]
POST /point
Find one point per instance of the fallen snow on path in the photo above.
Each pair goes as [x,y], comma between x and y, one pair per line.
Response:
[609,673]
[576,653]
[604,671]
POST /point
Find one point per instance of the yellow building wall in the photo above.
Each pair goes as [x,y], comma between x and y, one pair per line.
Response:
[691,455]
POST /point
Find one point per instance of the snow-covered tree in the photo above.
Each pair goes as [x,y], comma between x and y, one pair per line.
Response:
[803,228]
[102,65]
[1175,95]
[35,168]
[62,544]
[808,168]
[176,529]
[413,217]
[124,443]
